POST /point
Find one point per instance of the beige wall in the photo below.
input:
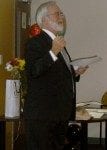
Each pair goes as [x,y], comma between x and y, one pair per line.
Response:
[86,35]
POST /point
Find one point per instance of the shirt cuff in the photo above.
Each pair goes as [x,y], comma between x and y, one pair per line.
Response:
[54,57]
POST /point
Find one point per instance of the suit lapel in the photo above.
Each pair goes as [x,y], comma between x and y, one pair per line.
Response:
[48,41]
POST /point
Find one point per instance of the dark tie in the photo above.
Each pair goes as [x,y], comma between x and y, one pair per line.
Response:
[66,58]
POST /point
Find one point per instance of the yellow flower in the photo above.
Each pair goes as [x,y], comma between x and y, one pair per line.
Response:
[21,64]
[16,66]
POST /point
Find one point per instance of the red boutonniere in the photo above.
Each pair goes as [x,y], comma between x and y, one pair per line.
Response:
[34,30]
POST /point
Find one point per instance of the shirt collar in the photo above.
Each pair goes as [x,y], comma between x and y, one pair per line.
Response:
[49,33]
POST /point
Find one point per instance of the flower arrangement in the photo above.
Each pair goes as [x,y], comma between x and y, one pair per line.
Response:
[16,67]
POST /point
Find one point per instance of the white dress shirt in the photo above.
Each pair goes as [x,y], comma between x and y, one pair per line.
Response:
[63,52]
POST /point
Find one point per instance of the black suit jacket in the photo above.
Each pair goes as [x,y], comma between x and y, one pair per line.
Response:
[51,86]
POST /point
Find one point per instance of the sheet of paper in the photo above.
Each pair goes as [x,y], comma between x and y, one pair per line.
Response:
[81,104]
[96,113]
[89,103]
[82,62]
[97,110]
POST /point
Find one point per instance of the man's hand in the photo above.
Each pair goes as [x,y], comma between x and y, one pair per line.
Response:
[58,44]
[81,70]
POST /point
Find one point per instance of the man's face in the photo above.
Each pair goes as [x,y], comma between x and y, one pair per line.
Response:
[56,21]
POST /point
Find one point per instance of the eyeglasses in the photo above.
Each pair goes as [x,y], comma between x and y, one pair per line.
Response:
[56,14]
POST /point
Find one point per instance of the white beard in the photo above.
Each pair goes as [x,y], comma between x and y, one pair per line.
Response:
[56,27]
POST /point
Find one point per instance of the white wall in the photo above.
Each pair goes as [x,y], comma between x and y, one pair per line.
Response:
[86,35]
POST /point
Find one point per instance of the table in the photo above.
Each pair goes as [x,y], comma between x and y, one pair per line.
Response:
[84,126]
[3,121]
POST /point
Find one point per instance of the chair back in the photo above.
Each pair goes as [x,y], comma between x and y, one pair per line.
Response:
[104,100]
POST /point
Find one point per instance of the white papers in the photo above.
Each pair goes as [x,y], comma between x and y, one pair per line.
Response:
[85,61]
[81,104]
[97,113]
[90,104]
[97,110]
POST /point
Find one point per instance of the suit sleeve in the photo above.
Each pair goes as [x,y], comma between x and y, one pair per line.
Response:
[38,60]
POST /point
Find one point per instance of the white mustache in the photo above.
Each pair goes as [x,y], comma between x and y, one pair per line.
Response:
[56,26]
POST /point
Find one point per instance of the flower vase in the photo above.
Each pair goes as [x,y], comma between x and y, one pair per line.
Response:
[12,98]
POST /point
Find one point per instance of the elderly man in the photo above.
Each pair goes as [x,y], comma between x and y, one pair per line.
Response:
[51,94]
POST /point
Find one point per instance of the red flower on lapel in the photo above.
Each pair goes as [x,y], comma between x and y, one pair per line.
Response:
[34,30]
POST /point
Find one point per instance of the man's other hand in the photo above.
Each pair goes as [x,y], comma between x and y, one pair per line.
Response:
[81,70]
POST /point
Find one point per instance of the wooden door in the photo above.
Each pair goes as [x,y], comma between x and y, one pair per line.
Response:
[22,23]
[7,49]
[6,43]
[12,38]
